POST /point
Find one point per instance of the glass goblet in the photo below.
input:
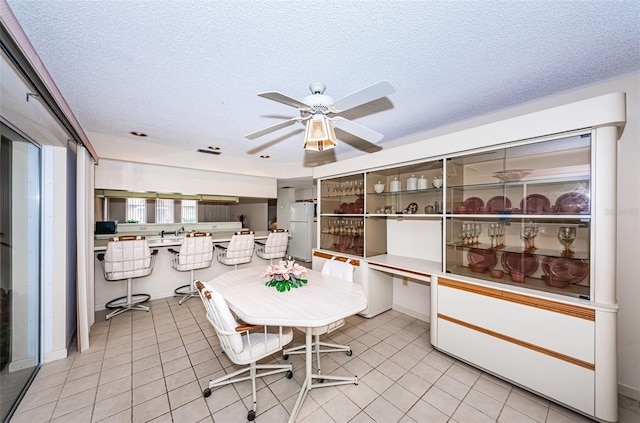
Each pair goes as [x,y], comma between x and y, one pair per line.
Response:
[566,235]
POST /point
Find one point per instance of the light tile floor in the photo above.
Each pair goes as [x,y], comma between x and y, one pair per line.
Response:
[153,366]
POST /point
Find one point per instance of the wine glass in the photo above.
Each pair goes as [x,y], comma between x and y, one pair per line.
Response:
[566,235]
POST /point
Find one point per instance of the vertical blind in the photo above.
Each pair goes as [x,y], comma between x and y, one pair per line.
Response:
[136,210]
[189,211]
[164,211]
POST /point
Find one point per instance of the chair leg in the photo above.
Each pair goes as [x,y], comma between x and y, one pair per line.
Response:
[130,302]
[233,377]
[318,347]
[187,291]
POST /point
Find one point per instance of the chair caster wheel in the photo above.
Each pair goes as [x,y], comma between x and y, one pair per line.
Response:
[321,380]
[289,374]
[285,357]
[206,393]
[251,416]
[349,353]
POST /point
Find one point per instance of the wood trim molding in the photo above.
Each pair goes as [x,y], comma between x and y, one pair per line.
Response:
[556,307]
[401,269]
[524,344]
[327,256]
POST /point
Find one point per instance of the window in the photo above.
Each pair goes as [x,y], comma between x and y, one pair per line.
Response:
[189,211]
[136,210]
[164,211]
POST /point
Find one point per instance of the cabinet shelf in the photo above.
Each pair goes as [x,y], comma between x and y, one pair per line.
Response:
[522,183]
[541,252]
[405,192]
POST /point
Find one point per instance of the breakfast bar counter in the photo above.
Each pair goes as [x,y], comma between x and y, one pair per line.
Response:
[164,279]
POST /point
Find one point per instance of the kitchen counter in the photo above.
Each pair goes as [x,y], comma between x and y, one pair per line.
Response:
[169,240]
[164,279]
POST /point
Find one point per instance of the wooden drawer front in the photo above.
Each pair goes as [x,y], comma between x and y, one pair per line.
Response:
[563,381]
[565,336]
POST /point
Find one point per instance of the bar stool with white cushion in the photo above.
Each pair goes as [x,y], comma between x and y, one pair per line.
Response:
[275,247]
[342,270]
[238,251]
[243,344]
[127,257]
[196,252]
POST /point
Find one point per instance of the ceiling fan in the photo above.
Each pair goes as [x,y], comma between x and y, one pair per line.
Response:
[320,112]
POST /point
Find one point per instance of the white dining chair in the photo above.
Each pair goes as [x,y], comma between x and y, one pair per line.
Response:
[238,250]
[126,258]
[196,252]
[275,247]
[342,270]
[243,344]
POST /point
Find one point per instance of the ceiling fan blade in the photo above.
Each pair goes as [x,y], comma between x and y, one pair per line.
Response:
[365,95]
[284,99]
[272,128]
[356,129]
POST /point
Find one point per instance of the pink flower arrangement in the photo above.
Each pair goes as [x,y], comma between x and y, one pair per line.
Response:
[285,275]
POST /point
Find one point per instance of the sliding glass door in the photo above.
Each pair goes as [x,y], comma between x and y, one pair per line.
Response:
[20,341]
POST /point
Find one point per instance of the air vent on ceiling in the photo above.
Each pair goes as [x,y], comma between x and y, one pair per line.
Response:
[202,150]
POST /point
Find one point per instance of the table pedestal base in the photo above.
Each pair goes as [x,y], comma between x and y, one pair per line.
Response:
[329,380]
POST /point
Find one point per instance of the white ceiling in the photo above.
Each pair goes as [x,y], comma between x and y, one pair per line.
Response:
[187,73]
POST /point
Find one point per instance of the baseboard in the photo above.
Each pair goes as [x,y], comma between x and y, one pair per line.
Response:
[55,355]
[412,313]
[25,363]
[629,392]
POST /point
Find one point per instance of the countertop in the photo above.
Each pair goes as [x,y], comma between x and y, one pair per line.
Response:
[100,244]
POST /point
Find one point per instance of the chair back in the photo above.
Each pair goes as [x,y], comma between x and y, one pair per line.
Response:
[240,248]
[220,317]
[196,252]
[276,244]
[127,257]
[242,343]
[339,269]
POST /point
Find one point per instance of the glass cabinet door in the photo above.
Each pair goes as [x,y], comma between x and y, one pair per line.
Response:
[344,234]
[522,215]
[544,254]
[343,195]
[413,189]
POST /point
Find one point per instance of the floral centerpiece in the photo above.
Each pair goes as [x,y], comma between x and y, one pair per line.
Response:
[285,275]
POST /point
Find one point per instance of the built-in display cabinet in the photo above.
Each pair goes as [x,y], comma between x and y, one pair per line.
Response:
[518,215]
[522,283]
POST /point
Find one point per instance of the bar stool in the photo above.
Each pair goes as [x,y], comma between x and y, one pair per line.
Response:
[275,246]
[238,251]
[127,257]
[196,252]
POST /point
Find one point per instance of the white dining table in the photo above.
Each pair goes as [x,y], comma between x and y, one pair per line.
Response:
[323,300]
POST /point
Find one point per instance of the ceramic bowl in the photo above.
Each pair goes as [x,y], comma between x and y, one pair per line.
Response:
[478,268]
[517,276]
[496,273]
[379,187]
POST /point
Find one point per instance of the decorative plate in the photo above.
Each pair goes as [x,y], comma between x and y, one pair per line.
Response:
[478,257]
[473,204]
[498,203]
[564,269]
[534,204]
[522,263]
[572,202]
[412,208]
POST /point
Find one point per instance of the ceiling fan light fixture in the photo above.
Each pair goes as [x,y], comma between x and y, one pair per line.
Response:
[319,134]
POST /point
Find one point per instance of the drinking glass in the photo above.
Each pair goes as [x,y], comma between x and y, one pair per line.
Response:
[566,235]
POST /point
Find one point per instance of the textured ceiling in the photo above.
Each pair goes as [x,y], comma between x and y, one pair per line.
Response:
[188,72]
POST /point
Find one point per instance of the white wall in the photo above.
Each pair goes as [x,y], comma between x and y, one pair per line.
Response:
[256,215]
[130,176]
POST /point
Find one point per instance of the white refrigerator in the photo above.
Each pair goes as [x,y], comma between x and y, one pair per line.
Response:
[302,228]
